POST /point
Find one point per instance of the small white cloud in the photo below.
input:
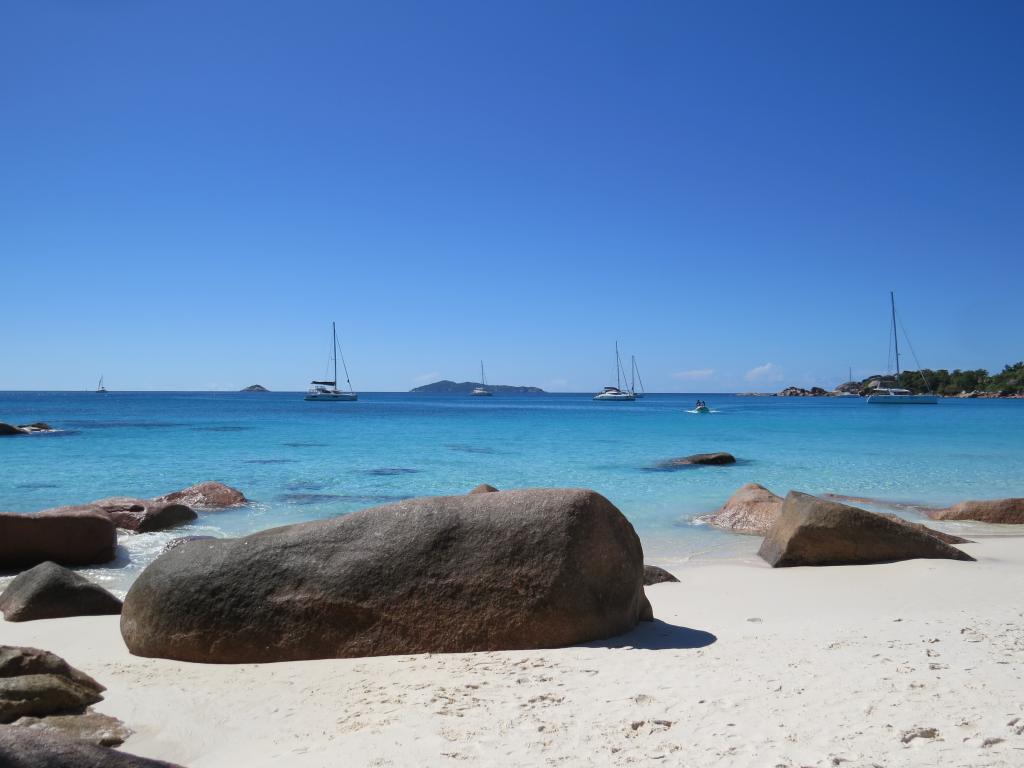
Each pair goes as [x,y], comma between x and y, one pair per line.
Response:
[426,378]
[764,373]
[698,374]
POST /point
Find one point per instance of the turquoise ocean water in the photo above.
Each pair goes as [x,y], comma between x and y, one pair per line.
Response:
[300,461]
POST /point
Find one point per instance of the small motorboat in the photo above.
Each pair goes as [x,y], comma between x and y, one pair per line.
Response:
[702,409]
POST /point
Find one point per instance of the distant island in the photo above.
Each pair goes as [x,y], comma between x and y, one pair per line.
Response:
[447,387]
[255,388]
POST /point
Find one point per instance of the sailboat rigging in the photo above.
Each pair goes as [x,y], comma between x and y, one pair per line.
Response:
[482,390]
[616,393]
[896,395]
[328,390]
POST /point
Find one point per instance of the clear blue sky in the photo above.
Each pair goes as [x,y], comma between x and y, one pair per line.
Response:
[191,191]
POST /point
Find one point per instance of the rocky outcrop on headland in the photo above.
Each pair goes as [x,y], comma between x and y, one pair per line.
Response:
[697,459]
[206,495]
[68,536]
[255,388]
[801,392]
[50,591]
[753,509]
[448,387]
[813,531]
[489,571]
[1003,511]
[23,429]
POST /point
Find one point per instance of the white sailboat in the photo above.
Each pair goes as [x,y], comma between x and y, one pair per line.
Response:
[616,393]
[849,379]
[896,395]
[482,390]
[328,390]
[634,378]
[100,389]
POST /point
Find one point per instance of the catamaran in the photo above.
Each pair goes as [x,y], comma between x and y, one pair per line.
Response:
[616,393]
[896,395]
[634,378]
[328,390]
[482,390]
[100,389]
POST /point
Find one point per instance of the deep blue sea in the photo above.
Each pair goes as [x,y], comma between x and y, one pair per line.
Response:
[301,460]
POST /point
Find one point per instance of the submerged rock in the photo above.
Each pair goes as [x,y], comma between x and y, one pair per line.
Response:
[484,488]
[145,515]
[813,531]
[1004,511]
[489,571]
[655,575]
[50,591]
[28,748]
[206,495]
[81,535]
[753,509]
[697,459]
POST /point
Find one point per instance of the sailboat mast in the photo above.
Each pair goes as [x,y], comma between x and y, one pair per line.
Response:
[618,367]
[632,373]
[334,351]
[895,335]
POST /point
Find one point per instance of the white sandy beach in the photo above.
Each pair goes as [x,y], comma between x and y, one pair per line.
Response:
[745,666]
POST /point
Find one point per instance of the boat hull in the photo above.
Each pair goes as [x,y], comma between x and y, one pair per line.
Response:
[702,409]
[902,399]
[615,398]
[333,397]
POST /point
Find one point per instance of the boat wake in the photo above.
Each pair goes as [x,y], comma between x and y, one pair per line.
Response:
[694,410]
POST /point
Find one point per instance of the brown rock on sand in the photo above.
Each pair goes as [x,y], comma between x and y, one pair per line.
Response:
[69,536]
[50,591]
[490,571]
[1003,511]
[813,531]
[752,509]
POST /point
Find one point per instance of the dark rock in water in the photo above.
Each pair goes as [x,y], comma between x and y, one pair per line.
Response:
[388,471]
[655,575]
[1003,511]
[27,748]
[255,388]
[813,531]
[484,488]
[90,727]
[144,515]
[752,509]
[69,535]
[206,495]
[50,591]
[184,540]
[23,429]
[490,571]
[698,459]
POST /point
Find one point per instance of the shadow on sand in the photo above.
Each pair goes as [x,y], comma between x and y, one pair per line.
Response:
[657,636]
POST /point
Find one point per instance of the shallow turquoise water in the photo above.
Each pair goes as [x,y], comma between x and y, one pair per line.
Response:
[300,461]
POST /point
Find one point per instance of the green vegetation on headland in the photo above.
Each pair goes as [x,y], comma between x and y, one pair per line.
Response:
[466,387]
[1009,381]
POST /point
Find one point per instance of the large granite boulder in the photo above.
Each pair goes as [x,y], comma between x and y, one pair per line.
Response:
[813,531]
[145,515]
[50,591]
[28,748]
[490,571]
[69,536]
[206,495]
[1007,511]
[752,509]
